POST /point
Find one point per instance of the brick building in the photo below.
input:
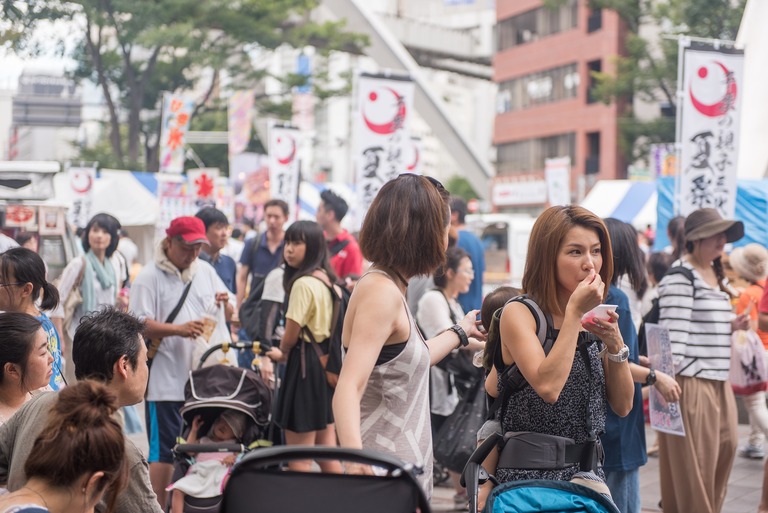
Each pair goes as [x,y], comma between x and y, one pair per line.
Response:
[545,106]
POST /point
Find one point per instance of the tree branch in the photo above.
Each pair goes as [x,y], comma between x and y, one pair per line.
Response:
[208,93]
[95,49]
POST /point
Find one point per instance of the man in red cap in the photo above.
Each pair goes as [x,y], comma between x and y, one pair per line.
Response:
[171,295]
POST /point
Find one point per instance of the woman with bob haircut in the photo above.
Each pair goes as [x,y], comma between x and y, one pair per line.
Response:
[99,274]
[77,460]
[382,397]
[568,267]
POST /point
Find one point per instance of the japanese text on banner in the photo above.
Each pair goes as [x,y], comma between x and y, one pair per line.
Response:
[711,113]
[384,108]
[284,166]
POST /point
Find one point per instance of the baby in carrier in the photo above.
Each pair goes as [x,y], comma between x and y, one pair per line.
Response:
[208,475]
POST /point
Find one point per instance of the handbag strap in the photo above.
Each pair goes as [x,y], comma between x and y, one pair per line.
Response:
[81,274]
[177,308]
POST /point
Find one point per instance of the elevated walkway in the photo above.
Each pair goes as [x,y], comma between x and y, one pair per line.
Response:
[390,54]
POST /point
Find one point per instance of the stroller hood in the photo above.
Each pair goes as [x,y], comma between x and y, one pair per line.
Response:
[227,387]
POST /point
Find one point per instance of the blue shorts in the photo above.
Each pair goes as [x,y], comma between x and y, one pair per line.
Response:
[164,425]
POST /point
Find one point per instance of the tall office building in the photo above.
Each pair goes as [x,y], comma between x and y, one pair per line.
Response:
[545,106]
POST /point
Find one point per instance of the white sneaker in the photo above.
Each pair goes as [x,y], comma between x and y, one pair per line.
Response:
[754,452]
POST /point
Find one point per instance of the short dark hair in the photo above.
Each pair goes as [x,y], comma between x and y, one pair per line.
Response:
[26,266]
[210,216]
[335,203]
[101,339]
[108,223]
[658,264]
[453,258]
[278,203]
[459,206]
[492,302]
[23,237]
[18,341]
[405,226]
[80,437]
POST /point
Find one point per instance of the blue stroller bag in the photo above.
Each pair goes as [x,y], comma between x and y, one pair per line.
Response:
[542,496]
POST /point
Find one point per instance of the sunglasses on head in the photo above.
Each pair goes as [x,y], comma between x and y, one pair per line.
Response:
[434,182]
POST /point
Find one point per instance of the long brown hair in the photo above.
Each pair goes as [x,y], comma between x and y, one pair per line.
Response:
[549,230]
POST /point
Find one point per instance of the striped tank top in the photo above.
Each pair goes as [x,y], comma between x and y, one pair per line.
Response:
[394,411]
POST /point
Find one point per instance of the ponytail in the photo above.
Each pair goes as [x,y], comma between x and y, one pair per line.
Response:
[50,296]
[26,266]
[717,265]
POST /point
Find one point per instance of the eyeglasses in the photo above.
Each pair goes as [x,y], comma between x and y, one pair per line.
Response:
[10,284]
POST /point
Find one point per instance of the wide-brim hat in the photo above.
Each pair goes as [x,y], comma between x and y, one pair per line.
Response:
[707,222]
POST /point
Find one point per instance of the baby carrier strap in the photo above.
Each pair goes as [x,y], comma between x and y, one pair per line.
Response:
[538,450]
[512,380]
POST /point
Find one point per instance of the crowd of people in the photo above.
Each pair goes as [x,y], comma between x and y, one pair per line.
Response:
[415,337]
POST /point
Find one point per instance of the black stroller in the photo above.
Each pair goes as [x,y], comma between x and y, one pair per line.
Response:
[209,392]
[258,485]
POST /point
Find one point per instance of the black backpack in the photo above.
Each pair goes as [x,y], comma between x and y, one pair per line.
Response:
[652,316]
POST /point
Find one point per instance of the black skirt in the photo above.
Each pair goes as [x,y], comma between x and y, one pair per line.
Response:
[304,402]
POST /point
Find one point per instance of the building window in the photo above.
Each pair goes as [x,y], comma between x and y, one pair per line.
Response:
[529,155]
[548,86]
[536,23]
[595,20]
[592,68]
[592,163]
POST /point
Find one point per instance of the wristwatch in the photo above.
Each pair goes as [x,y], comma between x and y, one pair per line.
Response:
[463,339]
[621,356]
[651,378]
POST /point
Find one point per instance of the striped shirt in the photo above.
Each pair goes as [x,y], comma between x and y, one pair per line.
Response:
[699,321]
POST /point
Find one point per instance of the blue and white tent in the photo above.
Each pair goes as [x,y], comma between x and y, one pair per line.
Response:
[629,201]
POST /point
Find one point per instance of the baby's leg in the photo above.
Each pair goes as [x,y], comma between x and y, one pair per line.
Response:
[177,501]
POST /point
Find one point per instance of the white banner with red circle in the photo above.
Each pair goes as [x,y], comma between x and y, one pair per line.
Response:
[81,180]
[712,89]
[284,166]
[383,148]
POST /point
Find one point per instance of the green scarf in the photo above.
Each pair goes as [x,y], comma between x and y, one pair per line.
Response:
[105,273]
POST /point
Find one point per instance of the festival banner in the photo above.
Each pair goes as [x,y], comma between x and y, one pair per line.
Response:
[81,180]
[284,166]
[413,157]
[177,111]
[557,173]
[174,200]
[382,120]
[663,160]
[712,89]
[239,120]
[665,417]
[202,186]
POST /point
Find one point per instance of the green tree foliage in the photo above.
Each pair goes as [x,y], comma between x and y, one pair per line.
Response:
[459,186]
[136,49]
[648,68]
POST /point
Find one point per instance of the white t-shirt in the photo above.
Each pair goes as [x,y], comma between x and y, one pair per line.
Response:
[154,294]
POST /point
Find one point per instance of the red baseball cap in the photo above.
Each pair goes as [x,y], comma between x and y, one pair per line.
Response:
[190,229]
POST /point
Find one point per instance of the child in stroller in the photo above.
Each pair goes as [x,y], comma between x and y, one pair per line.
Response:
[231,406]
[208,475]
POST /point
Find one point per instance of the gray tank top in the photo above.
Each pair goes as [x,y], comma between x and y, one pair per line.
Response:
[394,411]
